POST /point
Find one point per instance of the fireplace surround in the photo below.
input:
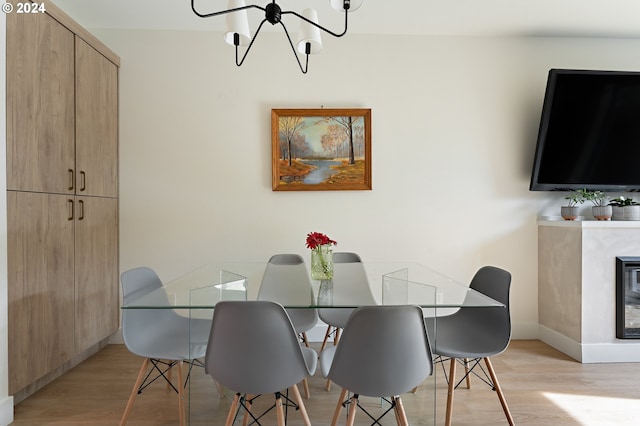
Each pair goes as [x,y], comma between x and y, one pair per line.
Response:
[577,287]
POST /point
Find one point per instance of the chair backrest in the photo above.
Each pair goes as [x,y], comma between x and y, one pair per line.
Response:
[137,282]
[492,325]
[346,257]
[253,348]
[493,282]
[383,351]
[141,328]
[350,282]
[286,281]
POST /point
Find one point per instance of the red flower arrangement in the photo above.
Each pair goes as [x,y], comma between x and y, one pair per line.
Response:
[316,239]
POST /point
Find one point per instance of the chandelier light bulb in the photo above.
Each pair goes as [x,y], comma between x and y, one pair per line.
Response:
[237,23]
[309,33]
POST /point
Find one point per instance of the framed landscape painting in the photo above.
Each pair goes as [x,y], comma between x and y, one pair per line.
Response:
[321,149]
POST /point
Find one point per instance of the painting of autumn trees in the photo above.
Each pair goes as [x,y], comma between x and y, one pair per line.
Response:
[321,149]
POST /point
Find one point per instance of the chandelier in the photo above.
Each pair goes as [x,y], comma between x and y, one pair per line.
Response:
[309,41]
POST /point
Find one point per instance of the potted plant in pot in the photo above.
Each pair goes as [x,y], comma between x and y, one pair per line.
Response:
[570,211]
[625,209]
[600,209]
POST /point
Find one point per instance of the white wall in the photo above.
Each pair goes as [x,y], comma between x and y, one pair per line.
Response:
[454,127]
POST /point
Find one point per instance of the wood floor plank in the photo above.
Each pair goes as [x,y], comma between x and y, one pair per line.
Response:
[542,387]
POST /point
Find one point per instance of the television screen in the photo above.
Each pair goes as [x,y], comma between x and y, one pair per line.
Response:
[589,134]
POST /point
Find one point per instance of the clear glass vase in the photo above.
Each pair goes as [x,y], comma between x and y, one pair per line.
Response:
[322,263]
[325,293]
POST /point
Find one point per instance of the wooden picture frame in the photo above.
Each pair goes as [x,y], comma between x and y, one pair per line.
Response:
[321,149]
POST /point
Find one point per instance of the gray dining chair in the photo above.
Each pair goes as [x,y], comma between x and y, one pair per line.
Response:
[286,281]
[253,349]
[384,352]
[351,287]
[473,334]
[162,337]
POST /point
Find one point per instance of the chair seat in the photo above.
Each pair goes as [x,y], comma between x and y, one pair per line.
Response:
[456,336]
[310,359]
[326,358]
[181,339]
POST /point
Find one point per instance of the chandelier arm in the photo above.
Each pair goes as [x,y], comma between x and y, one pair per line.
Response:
[250,44]
[222,12]
[326,30]
[304,70]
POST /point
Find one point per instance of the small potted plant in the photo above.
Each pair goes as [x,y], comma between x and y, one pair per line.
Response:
[600,209]
[570,211]
[625,209]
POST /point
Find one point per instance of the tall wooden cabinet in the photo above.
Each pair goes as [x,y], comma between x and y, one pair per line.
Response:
[62,195]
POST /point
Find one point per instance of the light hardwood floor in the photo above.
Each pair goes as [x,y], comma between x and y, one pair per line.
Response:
[542,386]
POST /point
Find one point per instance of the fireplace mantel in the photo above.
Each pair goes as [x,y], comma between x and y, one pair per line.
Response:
[577,287]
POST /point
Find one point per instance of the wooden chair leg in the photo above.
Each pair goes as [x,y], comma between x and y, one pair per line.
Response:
[169,376]
[232,411]
[336,413]
[305,384]
[180,393]
[279,410]
[304,339]
[353,406]
[452,386]
[303,410]
[326,338]
[134,392]
[401,415]
[466,372]
[503,401]
[327,387]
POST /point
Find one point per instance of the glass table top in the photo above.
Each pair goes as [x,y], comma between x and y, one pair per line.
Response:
[390,283]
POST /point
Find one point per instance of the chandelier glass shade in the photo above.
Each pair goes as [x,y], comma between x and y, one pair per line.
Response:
[309,41]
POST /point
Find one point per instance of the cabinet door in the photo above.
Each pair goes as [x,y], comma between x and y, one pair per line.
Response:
[96,123]
[41,284]
[40,104]
[97,280]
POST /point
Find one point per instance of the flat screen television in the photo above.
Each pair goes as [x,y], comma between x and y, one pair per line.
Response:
[589,135]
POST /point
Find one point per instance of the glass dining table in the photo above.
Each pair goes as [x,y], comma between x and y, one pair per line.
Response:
[196,294]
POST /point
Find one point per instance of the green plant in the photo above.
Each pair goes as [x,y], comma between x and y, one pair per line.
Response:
[622,202]
[576,198]
[597,198]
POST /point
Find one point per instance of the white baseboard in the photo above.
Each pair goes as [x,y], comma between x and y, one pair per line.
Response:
[561,342]
[6,411]
[591,353]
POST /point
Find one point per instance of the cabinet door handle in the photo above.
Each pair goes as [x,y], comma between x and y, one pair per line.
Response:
[81,208]
[70,202]
[83,180]
[71,179]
